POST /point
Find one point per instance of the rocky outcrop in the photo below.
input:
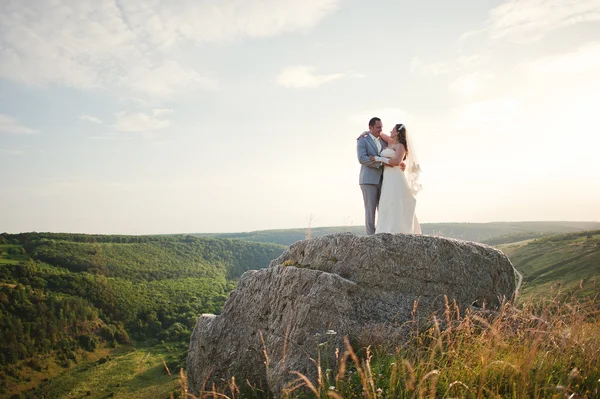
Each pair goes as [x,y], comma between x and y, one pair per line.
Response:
[320,290]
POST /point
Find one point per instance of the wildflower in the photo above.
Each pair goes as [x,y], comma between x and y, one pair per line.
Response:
[330,332]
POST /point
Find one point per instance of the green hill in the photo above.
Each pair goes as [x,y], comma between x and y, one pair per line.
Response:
[65,296]
[569,262]
[501,232]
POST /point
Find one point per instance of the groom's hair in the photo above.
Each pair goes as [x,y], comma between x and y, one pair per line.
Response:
[373,121]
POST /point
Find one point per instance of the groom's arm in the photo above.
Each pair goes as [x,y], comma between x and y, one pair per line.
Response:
[363,157]
[398,159]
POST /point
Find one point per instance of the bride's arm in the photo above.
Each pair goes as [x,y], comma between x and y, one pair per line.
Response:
[397,160]
[386,138]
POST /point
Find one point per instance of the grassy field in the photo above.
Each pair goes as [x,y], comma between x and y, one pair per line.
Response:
[567,263]
[127,372]
[10,259]
[32,373]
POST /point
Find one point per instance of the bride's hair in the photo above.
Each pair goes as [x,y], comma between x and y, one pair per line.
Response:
[401,137]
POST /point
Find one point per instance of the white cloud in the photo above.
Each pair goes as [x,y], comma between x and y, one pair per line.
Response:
[8,124]
[458,64]
[227,20]
[135,122]
[304,76]
[90,118]
[161,111]
[583,59]
[139,122]
[472,33]
[530,20]
[135,45]
[471,83]
[166,80]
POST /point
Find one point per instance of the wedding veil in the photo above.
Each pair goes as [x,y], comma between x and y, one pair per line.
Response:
[413,168]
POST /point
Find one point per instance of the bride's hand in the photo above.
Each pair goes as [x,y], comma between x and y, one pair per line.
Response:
[403,166]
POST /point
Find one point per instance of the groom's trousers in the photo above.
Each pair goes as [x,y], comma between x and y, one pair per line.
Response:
[371,194]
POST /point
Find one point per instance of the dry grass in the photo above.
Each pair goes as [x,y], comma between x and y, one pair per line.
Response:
[544,348]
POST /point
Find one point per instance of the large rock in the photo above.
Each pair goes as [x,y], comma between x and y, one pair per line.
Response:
[322,289]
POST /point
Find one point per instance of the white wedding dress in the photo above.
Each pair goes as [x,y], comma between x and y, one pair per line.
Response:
[397,203]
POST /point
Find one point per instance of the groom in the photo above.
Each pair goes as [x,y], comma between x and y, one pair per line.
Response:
[369,145]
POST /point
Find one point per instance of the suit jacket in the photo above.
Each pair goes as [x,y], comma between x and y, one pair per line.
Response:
[370,171]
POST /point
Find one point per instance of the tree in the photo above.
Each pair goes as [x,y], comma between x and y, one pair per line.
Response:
[88,342]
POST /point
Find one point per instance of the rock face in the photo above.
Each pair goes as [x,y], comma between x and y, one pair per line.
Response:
[323,289]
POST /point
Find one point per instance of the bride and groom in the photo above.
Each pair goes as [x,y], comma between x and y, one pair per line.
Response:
[388,179]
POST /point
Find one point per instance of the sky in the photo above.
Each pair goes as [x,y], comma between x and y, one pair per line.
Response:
[148,116]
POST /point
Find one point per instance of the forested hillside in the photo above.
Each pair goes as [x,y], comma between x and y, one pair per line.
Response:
[63,293]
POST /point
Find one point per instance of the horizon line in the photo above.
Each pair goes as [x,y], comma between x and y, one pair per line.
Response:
[292,228]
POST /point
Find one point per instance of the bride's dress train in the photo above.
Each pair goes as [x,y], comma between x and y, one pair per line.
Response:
[397,203]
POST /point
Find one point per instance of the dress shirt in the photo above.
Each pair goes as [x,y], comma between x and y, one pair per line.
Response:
[377,141]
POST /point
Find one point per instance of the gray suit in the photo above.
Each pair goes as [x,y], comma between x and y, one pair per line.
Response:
[371,176]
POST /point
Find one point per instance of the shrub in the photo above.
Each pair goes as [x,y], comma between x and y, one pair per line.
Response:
[88,342]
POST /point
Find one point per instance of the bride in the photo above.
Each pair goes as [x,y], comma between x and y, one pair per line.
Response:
[397,203]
